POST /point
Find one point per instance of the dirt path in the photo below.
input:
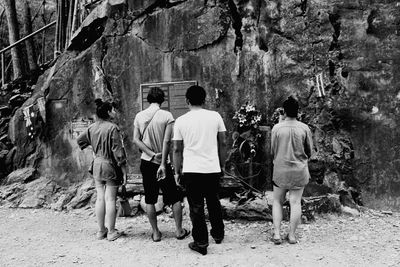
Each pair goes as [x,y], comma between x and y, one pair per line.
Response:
[49,238]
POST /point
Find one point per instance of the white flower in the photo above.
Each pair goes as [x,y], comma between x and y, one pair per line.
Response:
[250,108]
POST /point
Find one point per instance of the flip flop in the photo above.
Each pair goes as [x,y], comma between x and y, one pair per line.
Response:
[101,235]
[114,235]
[276,241]
[291,241]
[156,240]
[185,234]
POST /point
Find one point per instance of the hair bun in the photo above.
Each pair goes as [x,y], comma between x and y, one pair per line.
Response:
[98,102]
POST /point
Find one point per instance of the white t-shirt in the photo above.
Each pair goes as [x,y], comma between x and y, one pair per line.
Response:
[198,129]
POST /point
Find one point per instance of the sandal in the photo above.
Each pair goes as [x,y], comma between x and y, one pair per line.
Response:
[276,241]
[156,240]
[101,235]
[111,236]
[185,234]
[291,241]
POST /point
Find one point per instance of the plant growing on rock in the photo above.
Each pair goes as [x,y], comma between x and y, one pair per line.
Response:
[247,119]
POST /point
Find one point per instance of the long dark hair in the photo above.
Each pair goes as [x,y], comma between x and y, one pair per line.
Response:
[102,109]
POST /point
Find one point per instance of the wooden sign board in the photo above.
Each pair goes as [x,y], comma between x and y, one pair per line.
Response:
[79,126]
[175,100]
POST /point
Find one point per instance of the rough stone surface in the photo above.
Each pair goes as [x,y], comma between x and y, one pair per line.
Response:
[38,193]
[63,199]
[83,195]
[350,211]
[10,196]
[253,210]
[34,194]
[21,176]
[254,50]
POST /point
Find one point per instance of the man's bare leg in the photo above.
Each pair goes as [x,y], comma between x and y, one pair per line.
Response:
[152,215]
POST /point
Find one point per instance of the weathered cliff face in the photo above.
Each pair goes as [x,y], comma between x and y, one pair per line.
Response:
[256,50]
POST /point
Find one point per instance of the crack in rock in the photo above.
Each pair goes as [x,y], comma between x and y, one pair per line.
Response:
[237,25]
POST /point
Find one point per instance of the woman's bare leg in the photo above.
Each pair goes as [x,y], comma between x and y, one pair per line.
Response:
[100,207]
[295,211]
[110,196]
[277,209]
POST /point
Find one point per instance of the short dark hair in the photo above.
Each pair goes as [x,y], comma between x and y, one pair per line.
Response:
[291,107]
[102,108]
[155,95]
[196,95]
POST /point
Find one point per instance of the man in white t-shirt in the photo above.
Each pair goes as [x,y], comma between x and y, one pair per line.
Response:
[199,154]
[152,134]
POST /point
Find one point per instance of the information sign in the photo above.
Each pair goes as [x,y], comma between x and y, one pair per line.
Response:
[175,100]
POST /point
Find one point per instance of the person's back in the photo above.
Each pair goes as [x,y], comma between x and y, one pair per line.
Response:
[290,146]
[199,156]
[152,123]
[101,137]
[199,129]
[152,134]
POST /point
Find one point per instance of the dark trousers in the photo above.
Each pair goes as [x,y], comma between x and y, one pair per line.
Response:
[200,186]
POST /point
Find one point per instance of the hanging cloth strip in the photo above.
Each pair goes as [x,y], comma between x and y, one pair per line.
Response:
[320,85]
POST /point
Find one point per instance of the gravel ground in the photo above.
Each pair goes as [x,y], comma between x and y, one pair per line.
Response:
[49,238]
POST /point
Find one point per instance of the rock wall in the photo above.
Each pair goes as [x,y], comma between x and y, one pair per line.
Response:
[253,50]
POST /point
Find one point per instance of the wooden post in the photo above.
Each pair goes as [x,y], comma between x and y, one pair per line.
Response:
[30,43]
[74,17]
[57,31]
[70,11]
[3,76]
[43,34]
[64,17]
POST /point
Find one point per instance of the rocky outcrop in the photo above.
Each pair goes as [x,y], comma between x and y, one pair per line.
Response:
[254,50]
[24,175]
[35,194]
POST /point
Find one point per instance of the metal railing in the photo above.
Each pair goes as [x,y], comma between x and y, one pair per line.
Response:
[69,17]
[3,51]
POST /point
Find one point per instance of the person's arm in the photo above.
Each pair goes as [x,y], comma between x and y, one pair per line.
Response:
[119,153]
[221,142]
[137,140]
[177,151]
[221,150]
[178,159]
[83,140]
[124,174]
[178,156]
[165,151]
[308,146]
[273,143]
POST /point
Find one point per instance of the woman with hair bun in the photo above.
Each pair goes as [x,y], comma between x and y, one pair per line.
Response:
[109,157]
[291,148]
